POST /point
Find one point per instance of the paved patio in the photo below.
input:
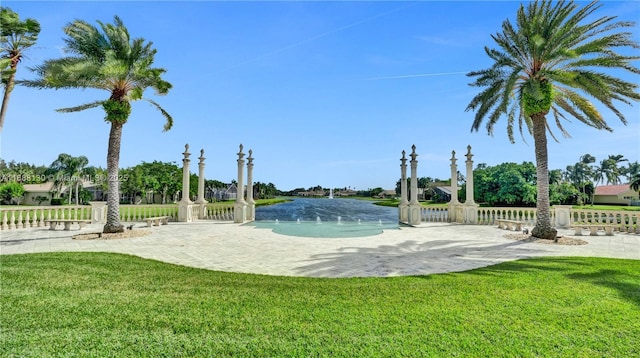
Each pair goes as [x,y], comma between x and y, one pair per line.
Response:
[430,248]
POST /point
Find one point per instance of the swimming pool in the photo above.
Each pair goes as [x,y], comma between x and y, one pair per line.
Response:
[326,218]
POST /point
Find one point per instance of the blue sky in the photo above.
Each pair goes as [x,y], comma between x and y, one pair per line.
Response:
[324,93]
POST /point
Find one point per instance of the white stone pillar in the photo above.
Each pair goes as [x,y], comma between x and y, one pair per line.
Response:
[251,204]
[414,205]
[240,207]
[470,208]
[201,201]
[563,216]
[453,202]
[98,211]
[404,204]
[184,212]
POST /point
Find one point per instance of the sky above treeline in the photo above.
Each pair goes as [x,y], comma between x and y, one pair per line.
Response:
[324,93]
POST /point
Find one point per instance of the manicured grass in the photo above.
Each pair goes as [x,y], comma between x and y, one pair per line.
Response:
[607,207]
[272,201]
[99,304]
[396,202]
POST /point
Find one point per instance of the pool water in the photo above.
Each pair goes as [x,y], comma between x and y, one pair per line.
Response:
[326,218]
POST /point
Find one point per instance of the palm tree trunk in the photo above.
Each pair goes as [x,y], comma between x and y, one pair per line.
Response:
[5,98]
[113,192]
[543,227]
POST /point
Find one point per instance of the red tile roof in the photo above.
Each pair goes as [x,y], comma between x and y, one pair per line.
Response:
[612,189]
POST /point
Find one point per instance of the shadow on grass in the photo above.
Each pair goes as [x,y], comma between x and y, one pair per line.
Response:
[625,283]
[615,274]
[414,258]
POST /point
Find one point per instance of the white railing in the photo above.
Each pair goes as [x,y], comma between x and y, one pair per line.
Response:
[217,212]
[23,217]
[488,216]
[132,213]
[434,214]
[625,221]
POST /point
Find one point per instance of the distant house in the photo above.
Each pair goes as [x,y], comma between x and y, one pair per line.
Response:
[443,192]
[312,193]
[615,194]
[345,192]
[33,193]
[386,194]
[231,193]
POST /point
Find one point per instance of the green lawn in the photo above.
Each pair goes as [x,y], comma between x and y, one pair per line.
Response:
[607,207]
[99,304]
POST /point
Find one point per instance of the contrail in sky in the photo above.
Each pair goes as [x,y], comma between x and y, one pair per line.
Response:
[412,76]
[311,39]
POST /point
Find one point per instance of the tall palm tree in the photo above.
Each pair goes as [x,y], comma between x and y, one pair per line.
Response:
[615,171]
[552,61]
[635,182]
[632,170]
[15,37]
[106,58]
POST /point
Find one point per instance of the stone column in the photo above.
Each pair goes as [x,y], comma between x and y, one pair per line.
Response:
[563,216]
[453,203]
[251,204]
[240,207]
[98,211]
[470,208]
[414,205]
[201,201]
[184,212]
[404,204]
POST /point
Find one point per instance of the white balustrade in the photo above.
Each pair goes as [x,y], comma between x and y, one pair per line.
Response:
[25,217]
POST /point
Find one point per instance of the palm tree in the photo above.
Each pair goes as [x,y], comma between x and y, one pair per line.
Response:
[635,182]
[615,170]
[67,169]
[632,170]
[106,58]
[551,61]
[15,37]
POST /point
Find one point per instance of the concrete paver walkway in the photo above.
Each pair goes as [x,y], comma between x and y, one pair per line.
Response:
[430,248]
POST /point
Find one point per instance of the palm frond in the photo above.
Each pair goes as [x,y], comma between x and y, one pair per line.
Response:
[80,108]
[166,115]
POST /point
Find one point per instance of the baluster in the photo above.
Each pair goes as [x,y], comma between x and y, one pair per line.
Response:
[4,220]
[27,220]
[38,218]
[12,223]
[20,220]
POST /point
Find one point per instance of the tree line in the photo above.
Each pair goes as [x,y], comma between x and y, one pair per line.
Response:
[511,184]
[155,182]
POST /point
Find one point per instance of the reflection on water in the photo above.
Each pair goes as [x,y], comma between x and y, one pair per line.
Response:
[327,218]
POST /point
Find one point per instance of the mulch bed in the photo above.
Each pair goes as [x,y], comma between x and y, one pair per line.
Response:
[561,240]
[121,235]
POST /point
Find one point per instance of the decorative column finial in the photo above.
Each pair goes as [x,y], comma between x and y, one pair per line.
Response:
[240,207]
[251,209]
[403,209]
[201,200]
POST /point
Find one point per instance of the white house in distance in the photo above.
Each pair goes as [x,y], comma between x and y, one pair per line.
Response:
[41,194]
[615,194]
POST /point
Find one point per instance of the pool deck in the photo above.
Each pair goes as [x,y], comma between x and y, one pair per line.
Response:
[427,249]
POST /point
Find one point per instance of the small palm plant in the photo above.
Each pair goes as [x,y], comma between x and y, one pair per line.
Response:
[553,61]
[106,58]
